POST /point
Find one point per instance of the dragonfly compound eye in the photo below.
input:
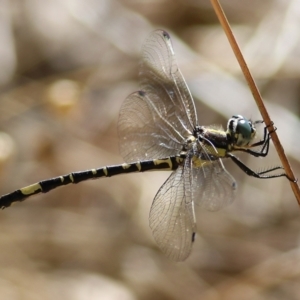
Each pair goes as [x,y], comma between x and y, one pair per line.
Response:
[240,130]
[244,132]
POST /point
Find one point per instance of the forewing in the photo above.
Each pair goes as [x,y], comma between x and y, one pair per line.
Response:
[172,216]
[161,79]
[156,120]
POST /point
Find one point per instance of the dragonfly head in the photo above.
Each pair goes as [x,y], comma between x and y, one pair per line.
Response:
[240,131]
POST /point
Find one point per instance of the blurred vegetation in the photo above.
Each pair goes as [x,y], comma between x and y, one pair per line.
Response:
[65,68]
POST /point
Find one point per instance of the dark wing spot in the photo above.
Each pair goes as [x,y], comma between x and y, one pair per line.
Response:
[193,236]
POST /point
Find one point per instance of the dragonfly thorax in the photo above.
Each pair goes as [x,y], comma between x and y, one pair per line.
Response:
[240,131]
[188,144]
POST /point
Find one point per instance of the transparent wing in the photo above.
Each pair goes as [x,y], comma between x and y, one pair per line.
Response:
[162,80]
[162,114]
[213,186]
[143,134]
[172,216]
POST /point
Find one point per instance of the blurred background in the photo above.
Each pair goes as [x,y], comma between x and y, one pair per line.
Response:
[65,68]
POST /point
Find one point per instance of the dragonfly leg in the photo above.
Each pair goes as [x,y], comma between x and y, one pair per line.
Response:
[260,174]
[265,142]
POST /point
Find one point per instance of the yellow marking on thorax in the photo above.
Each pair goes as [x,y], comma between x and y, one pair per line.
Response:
[197,162]
[221,152]
[31,189]
[219,131]
[212,150]
[94,171]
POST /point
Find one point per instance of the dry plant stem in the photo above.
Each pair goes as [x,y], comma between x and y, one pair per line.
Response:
[257,97]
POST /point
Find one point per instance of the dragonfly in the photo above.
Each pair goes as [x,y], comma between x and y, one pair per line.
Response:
[159,130]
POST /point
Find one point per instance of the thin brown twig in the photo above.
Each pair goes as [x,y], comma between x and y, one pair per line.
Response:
[257,97]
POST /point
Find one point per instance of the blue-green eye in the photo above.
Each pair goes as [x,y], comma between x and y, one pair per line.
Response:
[243,127]
[240,130]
